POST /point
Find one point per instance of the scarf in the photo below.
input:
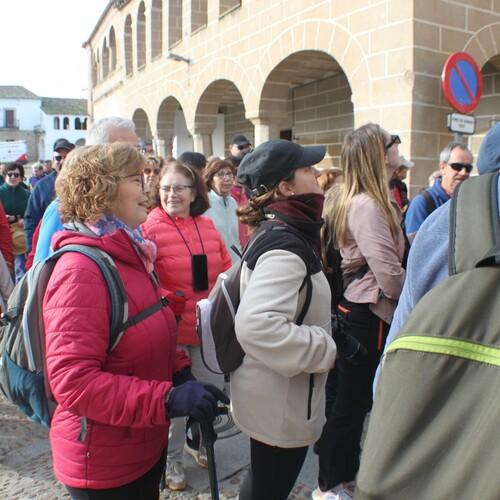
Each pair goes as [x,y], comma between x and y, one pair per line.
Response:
[146,249]
[302,211]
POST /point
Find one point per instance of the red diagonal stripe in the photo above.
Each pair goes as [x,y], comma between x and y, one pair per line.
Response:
[464,82]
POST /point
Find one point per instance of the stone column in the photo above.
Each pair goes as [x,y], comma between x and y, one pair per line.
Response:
[202,143]
[266,128]
[163,147]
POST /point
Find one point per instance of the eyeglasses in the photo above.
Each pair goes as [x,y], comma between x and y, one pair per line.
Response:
[178,189]
[58,157]
[148,171]
[460,166]
[14,174]
[224,175]
[139,178]
[246,146]
[394,140]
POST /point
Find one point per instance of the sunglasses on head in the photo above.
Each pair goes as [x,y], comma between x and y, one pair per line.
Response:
[58,157]
[14,174]
[460,166]
[394,140]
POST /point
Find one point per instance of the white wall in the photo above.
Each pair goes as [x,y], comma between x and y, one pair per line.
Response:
[51,135]
[27,114]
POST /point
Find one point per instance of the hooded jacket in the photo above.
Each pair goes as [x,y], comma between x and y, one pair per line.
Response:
[173,261]
[122,394]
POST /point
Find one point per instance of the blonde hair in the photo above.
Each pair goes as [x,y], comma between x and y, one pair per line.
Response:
[364,170]
[89,180]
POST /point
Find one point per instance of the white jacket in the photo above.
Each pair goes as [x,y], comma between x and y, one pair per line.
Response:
[270,391]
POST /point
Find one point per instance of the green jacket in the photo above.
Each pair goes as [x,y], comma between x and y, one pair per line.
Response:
[15,200]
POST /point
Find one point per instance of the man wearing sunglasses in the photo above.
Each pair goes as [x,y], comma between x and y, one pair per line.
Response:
[455,163]
[238,148]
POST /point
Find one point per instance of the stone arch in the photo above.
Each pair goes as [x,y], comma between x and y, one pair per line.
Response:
[142,125]
[228,69]
[321,36]
[484,47]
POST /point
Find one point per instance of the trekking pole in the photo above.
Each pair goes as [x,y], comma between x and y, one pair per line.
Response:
[208,438]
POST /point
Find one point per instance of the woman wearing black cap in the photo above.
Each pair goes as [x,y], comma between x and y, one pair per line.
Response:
[278,392]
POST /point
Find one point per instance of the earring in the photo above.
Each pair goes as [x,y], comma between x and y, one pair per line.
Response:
[292,194]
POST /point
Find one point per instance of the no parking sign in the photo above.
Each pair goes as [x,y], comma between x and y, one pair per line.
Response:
[462,82]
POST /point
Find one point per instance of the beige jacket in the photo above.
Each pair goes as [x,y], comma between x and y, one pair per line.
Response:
[369,241]
[270,390]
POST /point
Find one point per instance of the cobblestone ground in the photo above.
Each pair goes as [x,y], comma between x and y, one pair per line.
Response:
[26,465]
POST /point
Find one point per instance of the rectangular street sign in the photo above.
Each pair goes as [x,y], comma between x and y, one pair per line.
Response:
[462,124]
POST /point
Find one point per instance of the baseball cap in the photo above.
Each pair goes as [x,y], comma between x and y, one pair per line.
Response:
[488,159]
[240,140]
[403,162]
[272,161]
[63,144]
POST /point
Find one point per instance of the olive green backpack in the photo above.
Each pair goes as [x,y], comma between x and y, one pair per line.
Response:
[433,431]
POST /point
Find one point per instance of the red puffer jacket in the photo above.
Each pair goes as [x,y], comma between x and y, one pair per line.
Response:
[122,395]
[173,261]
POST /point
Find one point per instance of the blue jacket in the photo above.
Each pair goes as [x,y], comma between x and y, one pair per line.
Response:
[51,223]
[41,197]
[417,211]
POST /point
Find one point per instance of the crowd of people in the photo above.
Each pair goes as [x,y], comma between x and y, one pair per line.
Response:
[172,226]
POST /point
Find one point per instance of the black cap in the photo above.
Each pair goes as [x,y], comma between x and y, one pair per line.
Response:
[63,144]
[240,140]
[272,161]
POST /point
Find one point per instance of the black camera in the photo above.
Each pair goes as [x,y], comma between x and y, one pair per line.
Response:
[348,347]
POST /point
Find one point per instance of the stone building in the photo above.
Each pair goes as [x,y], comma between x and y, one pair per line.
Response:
[192,73]
[40,121]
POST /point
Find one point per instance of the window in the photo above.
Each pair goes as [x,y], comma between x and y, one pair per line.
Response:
[78,124]
[112,49]
[10,118]
[174,22]
[57,123]
[156,28]
[141,36]
[66,123]
[198,14]
[128,46]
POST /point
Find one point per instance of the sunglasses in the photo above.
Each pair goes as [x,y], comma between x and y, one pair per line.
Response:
[14,174]
[460,166]
[394,140]
[246,146]
[58,157]
[148,171]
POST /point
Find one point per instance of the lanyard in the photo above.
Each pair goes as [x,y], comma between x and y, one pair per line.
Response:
[184,239]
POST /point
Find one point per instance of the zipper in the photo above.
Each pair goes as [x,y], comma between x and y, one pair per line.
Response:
[449,347]
[310,395]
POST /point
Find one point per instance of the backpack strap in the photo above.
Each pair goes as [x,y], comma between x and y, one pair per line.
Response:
[119,300]
[430,202]
[474,222]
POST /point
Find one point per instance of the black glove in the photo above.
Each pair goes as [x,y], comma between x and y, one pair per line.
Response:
[194,399]
[348,347]
[182,376]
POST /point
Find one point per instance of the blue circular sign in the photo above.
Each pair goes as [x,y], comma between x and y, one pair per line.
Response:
[462,82]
